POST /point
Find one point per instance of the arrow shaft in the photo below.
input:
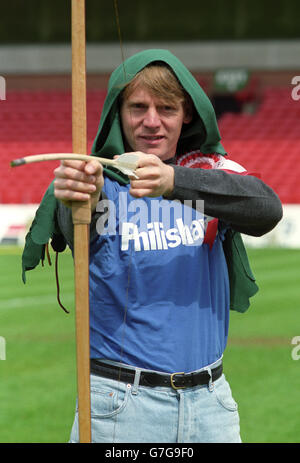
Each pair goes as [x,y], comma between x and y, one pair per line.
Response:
[125,162]
[61,157]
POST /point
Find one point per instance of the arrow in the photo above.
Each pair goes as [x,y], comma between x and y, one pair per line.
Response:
[125,163]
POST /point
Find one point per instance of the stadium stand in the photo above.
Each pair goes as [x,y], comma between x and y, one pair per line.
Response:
[32,122]
[268,142]
[35,122]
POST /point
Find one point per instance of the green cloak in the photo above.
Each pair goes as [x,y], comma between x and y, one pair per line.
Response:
[202,133]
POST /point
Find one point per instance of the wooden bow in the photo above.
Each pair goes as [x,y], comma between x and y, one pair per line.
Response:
[81,215]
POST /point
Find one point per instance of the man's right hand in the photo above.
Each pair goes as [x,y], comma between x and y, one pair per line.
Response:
[78,181]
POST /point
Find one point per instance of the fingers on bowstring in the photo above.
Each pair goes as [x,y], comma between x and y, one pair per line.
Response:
[93,167]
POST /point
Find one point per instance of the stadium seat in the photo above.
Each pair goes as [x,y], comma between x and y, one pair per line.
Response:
[34,122]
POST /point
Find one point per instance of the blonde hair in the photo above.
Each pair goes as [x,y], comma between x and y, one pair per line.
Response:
[161,82]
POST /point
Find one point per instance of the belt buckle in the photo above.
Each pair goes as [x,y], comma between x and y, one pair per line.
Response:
[172,380]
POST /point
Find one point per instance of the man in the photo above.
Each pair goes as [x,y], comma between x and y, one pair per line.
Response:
[163,273]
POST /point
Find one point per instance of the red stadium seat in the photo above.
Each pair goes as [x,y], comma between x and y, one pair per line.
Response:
[34,122]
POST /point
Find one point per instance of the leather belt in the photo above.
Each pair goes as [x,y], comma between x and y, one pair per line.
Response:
[151,378]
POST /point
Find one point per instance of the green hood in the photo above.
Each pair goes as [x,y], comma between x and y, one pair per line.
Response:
[202,133]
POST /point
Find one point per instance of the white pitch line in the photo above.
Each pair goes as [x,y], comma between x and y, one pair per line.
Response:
[20,302]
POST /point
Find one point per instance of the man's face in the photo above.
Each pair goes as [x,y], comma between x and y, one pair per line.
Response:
[152,125]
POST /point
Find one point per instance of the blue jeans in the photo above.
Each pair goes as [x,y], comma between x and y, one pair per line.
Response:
[123,412]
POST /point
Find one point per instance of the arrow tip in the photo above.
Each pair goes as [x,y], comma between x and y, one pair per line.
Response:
[18,162]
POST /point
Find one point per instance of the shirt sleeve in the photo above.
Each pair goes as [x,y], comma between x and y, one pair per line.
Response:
[65,223]
[244,202]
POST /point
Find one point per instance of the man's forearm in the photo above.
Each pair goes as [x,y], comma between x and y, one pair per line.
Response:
[65,223]
[244,202]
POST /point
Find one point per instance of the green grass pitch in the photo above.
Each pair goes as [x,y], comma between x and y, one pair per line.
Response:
[38,376]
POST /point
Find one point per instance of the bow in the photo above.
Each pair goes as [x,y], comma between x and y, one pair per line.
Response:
[81,216]
[81,211]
